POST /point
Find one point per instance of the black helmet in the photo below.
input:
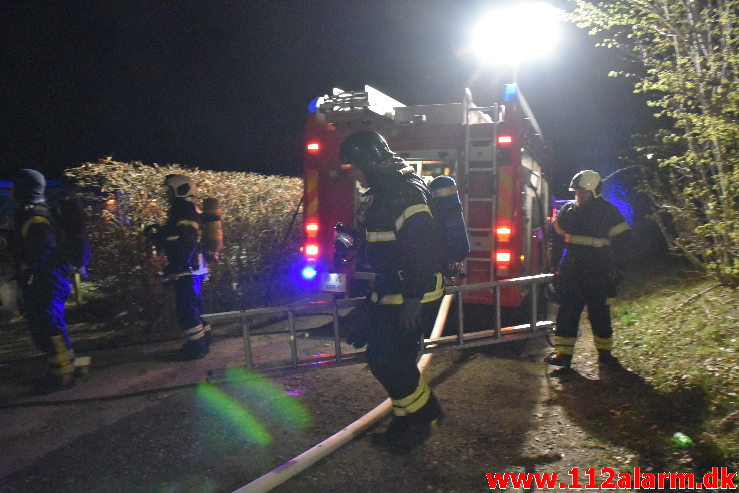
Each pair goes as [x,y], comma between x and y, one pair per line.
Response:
[29,186]
[364,149]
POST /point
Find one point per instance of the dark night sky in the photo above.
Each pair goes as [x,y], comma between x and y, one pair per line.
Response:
[224,85]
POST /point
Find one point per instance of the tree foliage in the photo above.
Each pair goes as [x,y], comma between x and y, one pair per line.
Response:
[257,212]
[686,51]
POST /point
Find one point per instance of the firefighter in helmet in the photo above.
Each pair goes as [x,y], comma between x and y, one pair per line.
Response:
[403,250]
[186,264]
[591,240]
[43,279]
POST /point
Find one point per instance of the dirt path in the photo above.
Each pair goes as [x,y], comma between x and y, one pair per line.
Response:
[141,421]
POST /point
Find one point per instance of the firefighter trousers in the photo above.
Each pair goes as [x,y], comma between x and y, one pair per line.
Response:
[188,302]
[574,297]
[392,351]
[44,294]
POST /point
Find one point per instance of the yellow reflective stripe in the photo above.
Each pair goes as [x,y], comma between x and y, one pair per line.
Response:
[558,229]
[409,399]
[586,240]
[410,211]
[605,343]
[62,357]
[375,236]
[388,299]
[564,345]
[397,299]
[189,222]
[31,221]
[62,370]
[414,402]
[422,401]
[61,361]
[438,291]
[195,333]
[618,229]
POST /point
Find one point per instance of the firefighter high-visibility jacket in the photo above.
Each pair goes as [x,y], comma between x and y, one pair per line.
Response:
[182,245]
[403,246]
[593,238]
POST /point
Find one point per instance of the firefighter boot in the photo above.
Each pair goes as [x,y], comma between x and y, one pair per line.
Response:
[397,427]
[431,413]
[408,432]
[193,349]
[559,359]
[605,358]
[60,374]
[197,345]
[208,339]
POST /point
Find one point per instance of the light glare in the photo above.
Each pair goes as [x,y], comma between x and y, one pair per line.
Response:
[516,33]
[311,250]
[503,257]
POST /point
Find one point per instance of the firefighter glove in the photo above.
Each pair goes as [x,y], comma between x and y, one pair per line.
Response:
[410,314]
[616,277]
[359,326]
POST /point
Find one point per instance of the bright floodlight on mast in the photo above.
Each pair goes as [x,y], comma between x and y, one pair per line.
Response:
[513,34]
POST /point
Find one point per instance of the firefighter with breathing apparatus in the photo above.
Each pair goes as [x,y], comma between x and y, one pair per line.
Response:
[43,279]
[404,251]
[591,240]
[186,263]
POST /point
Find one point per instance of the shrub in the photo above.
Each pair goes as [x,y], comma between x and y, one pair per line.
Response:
[124,198]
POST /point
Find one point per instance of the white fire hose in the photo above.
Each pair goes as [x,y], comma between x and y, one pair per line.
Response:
[303,461]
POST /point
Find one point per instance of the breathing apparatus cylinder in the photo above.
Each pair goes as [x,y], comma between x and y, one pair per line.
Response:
[446,208]
[212,227]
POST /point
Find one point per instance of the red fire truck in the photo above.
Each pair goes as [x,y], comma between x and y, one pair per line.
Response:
[496,154]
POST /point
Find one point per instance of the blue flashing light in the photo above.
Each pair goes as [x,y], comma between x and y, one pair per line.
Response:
[313,106]
[511,93]
[618,195]
[309,272]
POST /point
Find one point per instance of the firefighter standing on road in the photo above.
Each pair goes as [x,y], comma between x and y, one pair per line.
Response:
[43,278]
[186,264]
[593,233]
[403,250]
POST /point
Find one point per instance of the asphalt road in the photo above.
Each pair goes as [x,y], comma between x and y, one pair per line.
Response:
[141,421]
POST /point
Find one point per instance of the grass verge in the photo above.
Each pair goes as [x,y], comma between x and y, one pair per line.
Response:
[678,331]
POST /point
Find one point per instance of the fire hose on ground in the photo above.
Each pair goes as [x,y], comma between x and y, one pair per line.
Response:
[311,456]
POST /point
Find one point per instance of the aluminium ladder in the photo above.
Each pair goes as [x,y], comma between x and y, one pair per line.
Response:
[496,334]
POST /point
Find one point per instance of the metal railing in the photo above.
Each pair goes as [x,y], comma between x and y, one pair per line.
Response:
[496,334]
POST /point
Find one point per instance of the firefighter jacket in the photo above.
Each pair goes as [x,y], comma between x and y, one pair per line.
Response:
[593,236]
[403,246]
[182,240]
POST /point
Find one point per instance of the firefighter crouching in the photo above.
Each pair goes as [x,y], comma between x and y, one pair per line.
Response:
[404,251]
[594,236]
[186,264]
[43,279]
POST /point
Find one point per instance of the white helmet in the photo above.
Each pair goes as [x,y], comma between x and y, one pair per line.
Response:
[587,180]
[181,185]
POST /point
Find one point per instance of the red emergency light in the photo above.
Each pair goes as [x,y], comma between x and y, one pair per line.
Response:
[311,250]
[311,228]
[504,140]
[503,234]
[313,147]
[503,257]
